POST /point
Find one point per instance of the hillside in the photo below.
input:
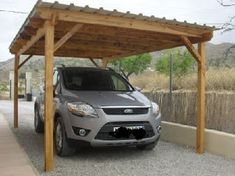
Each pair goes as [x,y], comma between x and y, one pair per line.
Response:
[214,56]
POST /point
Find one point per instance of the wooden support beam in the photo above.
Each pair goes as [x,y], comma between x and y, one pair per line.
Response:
[137,52]
[115,21]
[74,53]
[16,78]
[67,36]
[99,45]
[92,60]
[201,100]
[22,63]
[48,100]
[36,22]
[40,33]
[105,62]
[191,48]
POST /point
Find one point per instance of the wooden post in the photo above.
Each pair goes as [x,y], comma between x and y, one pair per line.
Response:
[16,78]
[201,100]
[105,62]
[48,101]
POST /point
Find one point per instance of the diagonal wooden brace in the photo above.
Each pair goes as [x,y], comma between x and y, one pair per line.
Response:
[191,48]
[67,36]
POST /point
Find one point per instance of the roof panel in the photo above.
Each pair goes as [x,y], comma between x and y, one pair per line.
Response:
[108,32]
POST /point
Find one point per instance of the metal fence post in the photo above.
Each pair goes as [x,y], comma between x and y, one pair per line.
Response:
[170,76]
[170,83]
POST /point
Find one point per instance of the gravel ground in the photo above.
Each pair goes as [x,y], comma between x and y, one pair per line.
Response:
[166,159]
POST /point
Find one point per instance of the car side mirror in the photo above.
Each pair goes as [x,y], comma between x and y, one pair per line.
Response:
[138,89]
[54,91]
[41,89]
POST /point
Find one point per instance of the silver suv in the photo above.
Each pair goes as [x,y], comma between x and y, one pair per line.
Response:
[98,107]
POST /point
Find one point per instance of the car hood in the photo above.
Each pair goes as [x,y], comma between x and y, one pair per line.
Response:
[105,98]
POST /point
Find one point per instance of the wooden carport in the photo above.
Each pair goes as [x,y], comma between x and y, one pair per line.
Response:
[54,29]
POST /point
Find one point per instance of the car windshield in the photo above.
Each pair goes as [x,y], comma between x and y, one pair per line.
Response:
[102,80]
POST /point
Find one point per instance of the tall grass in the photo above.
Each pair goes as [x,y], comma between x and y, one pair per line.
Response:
[216,79]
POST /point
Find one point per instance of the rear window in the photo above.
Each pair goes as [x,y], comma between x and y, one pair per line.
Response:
[101,80]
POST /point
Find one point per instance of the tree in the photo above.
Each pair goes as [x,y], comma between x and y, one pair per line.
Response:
[228,26]
[133,64]
[182,63]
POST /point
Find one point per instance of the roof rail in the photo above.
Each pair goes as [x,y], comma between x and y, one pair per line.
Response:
[60,66]
[111,69]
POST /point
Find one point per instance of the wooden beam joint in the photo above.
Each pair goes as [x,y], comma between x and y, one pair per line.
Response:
[92,60]
[191,48]
[105,62]
[22,63]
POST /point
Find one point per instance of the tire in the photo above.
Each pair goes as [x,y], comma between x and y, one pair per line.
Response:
[149,146]
[61,142]
[38,123]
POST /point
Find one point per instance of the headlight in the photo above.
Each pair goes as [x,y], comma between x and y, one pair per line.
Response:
[155,109]
[82,109]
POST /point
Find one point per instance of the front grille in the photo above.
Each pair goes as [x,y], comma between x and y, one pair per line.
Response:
[125,111]
[106,131]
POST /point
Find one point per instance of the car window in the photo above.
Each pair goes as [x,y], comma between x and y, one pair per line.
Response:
[55,77]
[58,85]
[118,83]
[102,80]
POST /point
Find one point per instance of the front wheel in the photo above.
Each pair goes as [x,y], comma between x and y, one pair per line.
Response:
[62,146]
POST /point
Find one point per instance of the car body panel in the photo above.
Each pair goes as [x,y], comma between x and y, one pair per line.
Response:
[99,100]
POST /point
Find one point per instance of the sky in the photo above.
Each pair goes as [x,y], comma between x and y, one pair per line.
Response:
[208,12]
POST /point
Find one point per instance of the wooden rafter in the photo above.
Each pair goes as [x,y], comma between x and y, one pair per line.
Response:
[36,22]
[40,33]
[150,49]
[191,48]
[97,49]
[67,36]
[80,53]
[92,31]
[118,41]
[95,46]
[81,17]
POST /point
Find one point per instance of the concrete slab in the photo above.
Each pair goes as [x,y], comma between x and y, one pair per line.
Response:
[13,160]
[216,142]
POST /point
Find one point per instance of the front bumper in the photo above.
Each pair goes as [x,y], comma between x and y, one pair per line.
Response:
[126,142]
[95,126]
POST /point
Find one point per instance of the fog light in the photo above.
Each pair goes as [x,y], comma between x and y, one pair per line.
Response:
[159,129]
[82,132]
